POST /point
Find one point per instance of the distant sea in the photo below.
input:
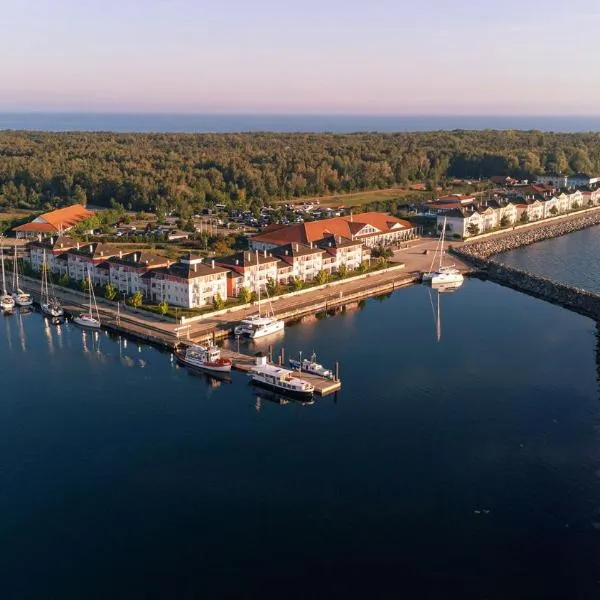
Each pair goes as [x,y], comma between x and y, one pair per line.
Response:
[228,123]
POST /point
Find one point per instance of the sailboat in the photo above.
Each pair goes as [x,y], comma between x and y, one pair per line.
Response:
[6,300]
[444,275]
[258,326]
[91,318]
[20,297]
[50,305]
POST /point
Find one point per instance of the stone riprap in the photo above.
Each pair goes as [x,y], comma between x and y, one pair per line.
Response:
[479,254]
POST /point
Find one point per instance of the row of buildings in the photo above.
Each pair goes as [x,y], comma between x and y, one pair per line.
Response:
[466,216]
[282,255]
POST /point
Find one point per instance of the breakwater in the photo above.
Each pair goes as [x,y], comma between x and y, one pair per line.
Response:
[480,255]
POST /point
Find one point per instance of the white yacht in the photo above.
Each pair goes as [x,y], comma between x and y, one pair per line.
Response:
[444,274]
[6,300]
[259,325]
[90,319]
[50,304]
[204,357]
[20,297]
[311,366]
[277,378]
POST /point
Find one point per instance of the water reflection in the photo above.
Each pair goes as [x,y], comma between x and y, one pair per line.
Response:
[262,395]
[22,338]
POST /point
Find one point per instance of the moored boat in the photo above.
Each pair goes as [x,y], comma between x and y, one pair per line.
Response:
[444,274]
[279,379]
[204,357]
[311,366]
[91,318]
[50,304]
[257,326]
[20,297]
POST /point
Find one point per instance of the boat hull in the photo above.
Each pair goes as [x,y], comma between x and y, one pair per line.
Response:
[264,331]
[223,366]
[52,311]
[298,394]
[322,372]
[84,321]
[447,278]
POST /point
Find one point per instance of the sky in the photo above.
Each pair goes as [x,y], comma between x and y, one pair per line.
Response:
[309,56]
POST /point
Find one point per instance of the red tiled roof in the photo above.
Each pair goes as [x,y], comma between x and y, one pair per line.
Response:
[62,218]
[305,233]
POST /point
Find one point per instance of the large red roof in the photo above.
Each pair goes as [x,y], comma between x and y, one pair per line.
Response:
[347,227]
[57,220]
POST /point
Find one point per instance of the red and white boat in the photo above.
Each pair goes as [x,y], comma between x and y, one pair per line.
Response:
[207,358]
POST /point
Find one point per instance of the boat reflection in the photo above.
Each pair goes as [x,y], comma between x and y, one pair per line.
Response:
[22,337]
[261,395]
[214,379]
[90,341]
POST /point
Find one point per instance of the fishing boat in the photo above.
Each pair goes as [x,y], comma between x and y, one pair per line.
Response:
[91,318]
[206,357]
[20,297]
[444,274]
[279,379]
[258,325]
[311,366]
[7,302]
[50,304]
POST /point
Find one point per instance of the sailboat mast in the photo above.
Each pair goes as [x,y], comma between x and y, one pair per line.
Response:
[15,274]
[44,288]
[442,241]
[258,279]
[3,275]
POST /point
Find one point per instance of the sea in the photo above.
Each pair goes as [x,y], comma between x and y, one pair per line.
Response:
[461,458]
[231,123]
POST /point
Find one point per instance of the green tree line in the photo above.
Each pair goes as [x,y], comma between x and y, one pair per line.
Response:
[186,172]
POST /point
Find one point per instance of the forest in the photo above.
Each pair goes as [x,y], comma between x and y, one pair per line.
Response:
[186,172]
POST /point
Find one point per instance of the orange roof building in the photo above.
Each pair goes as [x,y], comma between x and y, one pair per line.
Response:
[54,222]
[371,228]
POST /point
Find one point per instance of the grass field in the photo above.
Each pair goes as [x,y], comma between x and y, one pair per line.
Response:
[14,214]
[363,197]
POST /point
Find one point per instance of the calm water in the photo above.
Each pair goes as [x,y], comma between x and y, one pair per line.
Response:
[571,258]
[287,123]
[464,468]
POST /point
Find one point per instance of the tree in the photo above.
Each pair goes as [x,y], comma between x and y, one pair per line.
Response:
[163,307]
[110,291]
[221,248]
[245,295]
[554,211]
[473,229]
[84,284]
[297,283]
[342,271]
[218,302]
[363,267]
[322,277]
[272,286]
[524,217]
[64,280]
[504,221]
[136,299]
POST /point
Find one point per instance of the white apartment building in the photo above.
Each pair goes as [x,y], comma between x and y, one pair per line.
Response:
[189,283]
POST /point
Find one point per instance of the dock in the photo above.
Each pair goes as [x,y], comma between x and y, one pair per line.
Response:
[244,362]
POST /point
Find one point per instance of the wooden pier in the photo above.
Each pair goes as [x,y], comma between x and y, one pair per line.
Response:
[244,362]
